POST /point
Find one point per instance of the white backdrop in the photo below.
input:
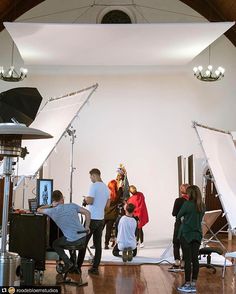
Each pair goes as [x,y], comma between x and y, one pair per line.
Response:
[54,118]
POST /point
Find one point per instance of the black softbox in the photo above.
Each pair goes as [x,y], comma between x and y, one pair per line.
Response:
[21,104]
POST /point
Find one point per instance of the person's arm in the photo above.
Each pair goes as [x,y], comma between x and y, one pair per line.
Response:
[41,209]
[108,203]
[87,215]
[182,211]
[90,198]
[175,208]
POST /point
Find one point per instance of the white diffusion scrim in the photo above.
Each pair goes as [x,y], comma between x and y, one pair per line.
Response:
[220,151]
[54,119]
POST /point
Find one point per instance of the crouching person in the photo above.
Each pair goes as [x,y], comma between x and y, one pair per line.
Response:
[126,238]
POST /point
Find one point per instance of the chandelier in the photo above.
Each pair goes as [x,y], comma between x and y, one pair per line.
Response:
[209,75]
[11,75]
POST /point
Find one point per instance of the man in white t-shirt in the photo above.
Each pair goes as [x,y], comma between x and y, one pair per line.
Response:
[126,238]
[95,202]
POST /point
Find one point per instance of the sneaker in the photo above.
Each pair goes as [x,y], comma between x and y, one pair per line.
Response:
[125,255]
[185,288]
[141,245]
[193,289]
[67,267]
[93,271]
[175,268]
[130,254]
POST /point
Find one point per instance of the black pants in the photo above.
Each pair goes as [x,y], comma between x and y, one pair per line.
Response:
[59,243]
[96,227]
[191,262]
[116,251]
[140,235]
[176,241]
[109,225]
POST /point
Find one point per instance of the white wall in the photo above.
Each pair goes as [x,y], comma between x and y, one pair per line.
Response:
[140,117]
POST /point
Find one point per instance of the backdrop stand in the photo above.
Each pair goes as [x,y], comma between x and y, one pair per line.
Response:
[208,220]
[195,126]
[71,132]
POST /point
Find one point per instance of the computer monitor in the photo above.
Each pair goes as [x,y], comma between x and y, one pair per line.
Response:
[44,191]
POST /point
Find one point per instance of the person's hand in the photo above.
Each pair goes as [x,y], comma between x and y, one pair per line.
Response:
[54,204]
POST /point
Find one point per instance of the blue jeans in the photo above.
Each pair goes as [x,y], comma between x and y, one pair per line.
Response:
[61,242]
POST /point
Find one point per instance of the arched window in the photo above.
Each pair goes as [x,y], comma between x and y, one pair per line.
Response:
[116,16]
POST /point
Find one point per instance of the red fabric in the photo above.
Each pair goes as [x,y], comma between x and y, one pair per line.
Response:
[185,196]
[140,211]
[112,185]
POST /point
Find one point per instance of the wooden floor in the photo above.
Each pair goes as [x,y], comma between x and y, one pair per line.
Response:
[130,279]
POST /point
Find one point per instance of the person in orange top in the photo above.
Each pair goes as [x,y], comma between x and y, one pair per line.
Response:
[140,211]
[111,211]
[119,192]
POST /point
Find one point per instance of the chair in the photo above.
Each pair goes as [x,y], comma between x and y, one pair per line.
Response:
[207,251]
[73,257]
[231,255]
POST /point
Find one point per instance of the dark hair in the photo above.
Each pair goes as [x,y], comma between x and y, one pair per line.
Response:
[95,171]
[130,207]
[57,195]
[196,196]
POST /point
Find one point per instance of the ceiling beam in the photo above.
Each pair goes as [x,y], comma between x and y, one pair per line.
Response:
[12,9]
[216,10]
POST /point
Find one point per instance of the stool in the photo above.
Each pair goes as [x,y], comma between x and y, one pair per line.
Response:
[208,251]
[74,269]
[231,255]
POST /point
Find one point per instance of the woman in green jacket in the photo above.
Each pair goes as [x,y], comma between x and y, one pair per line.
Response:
[190,234]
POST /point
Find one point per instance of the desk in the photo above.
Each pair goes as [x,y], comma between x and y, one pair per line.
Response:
[28,237]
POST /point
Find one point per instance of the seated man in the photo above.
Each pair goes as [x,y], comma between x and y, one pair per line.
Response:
[67,219]
[126,238]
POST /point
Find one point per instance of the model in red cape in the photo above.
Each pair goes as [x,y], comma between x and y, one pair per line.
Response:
[140,211]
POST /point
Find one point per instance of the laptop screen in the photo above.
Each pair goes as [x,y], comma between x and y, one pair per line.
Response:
[33,204]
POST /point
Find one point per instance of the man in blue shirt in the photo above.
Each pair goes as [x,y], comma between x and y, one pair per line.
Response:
[66,218]
[96,202]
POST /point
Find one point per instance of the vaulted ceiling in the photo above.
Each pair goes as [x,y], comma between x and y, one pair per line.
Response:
[212,10]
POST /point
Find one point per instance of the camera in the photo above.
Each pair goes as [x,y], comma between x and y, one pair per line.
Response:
[84,203]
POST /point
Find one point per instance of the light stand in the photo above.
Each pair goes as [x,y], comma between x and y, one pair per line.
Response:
[71,132]
[11,135]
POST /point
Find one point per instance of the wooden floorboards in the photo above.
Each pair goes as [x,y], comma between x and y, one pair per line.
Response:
[130,279]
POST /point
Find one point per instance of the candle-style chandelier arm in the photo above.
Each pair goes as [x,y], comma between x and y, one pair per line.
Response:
[208,75]
[11,75]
